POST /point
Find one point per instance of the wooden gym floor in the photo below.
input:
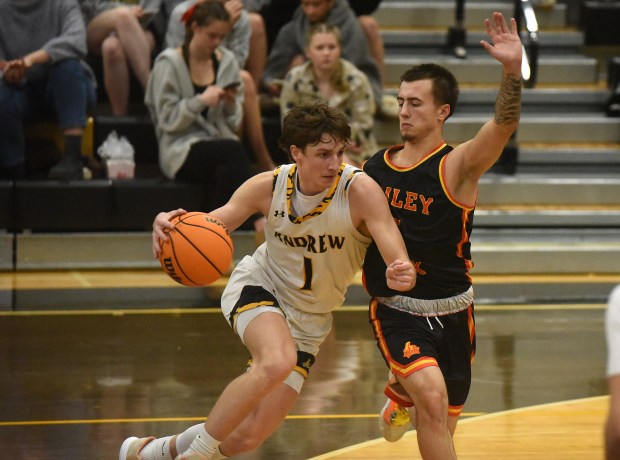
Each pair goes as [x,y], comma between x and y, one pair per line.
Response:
[75,383]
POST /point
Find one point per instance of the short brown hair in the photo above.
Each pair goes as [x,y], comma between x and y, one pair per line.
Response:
[445,87]
[305,125]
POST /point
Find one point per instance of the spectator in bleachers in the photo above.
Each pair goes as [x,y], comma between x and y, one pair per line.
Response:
[277,13]
[196,106]
[237,41]
[119,33]
[42,43]
[328,78]
[288,48]
[363,10]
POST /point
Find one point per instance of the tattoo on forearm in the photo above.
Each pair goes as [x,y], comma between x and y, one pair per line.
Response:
[508,103]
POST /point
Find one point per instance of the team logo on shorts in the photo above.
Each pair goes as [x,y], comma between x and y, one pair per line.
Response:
[410,350]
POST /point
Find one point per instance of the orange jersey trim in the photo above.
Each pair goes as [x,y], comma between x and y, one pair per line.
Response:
[397,368]
[386,157]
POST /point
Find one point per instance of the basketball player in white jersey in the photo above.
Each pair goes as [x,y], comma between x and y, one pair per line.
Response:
[321,215]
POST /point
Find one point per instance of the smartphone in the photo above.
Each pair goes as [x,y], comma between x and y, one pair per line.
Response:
[232,85]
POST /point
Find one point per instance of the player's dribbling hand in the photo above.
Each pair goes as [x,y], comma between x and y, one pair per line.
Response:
[400,276]
[161,227]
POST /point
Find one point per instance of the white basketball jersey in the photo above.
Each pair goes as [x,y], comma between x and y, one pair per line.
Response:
[310,260]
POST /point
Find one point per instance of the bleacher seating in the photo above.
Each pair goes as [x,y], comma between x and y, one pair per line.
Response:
[559,213]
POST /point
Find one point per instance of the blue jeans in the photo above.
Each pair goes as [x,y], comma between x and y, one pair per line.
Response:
[62,91]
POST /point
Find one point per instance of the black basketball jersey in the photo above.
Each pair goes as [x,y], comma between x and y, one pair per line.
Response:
[435,227]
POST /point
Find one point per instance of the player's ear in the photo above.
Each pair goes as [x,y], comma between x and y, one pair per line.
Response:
[444,112]
[295,152]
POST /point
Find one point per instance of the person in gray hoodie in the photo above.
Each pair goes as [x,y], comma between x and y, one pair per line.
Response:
[42,44]
[195,98]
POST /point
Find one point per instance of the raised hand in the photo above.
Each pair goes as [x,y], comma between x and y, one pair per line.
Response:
[505,44]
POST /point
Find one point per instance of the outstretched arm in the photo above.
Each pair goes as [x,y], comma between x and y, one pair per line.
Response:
[470,160]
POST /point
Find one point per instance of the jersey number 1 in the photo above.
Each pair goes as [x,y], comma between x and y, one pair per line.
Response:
[307,274]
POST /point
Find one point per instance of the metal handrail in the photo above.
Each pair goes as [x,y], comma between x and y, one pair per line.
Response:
[524,13]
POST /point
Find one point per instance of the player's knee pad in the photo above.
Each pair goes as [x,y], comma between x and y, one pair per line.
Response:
[296,379]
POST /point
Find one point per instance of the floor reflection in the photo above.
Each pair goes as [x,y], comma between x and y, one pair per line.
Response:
[75,385]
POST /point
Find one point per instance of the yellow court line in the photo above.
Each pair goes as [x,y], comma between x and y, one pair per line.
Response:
[345,308]
[154,278]
[191,419]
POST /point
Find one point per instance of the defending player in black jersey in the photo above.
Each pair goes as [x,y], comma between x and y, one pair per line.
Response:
[427,335]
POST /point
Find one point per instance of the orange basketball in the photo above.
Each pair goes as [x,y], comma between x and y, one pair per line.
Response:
[199,250]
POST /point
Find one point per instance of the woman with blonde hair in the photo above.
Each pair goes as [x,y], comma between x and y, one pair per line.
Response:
[326,77]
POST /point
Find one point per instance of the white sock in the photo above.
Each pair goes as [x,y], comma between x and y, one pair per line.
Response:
[184,440]
[157,449]
[203,444]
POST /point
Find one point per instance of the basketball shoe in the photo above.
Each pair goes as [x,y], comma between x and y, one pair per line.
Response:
[131,447]
[394,421]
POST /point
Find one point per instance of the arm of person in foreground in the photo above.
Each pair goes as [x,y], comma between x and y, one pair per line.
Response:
[471,159]
[253,196]
[370,208]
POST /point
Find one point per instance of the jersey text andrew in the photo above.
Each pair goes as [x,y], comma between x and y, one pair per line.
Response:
[312,244]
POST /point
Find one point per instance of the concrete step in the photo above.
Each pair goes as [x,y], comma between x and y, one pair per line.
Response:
[569,158]
[442,13]
[539,251]
[587,226]
[572,99]
[406,41]
[552,128]
[542,217]
[542,190]
[482,69]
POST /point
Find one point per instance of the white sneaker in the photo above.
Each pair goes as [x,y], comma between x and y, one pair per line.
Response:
[394,421]
[131,447]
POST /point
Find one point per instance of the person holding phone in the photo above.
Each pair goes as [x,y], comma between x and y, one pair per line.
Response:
[195,97]
[239,40]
